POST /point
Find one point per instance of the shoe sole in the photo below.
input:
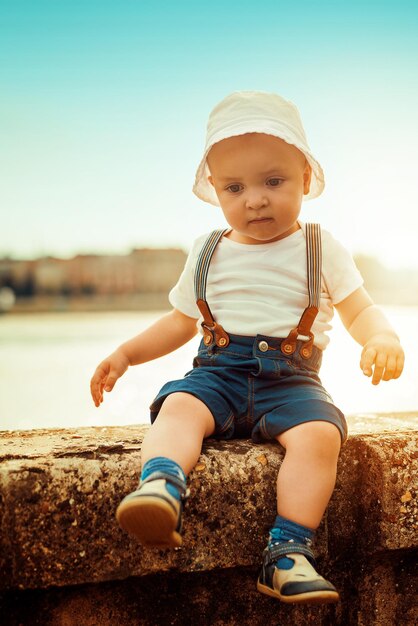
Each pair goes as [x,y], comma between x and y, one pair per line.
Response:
[151,520]
[313,597]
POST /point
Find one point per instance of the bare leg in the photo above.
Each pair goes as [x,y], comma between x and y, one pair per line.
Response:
[178,432]
[152,514]
[304,486]
[307,476]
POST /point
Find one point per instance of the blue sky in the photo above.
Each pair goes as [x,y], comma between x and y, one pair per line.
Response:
[103,109]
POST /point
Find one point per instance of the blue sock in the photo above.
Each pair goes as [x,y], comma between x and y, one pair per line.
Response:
[166,465]
[285,530]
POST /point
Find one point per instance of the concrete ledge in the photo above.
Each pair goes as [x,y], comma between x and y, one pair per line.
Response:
[59,490]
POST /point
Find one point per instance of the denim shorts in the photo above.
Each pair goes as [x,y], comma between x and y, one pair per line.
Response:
[253,390]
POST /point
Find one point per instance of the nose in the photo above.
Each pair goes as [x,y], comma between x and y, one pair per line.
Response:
[255,199]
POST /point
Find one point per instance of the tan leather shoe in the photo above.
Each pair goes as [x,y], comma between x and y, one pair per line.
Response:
[301,584]
[151,514]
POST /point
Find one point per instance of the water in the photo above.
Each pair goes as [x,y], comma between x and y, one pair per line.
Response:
[47,360]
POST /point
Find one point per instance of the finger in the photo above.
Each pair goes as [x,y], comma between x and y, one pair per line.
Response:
[110,382]
[95,390]
[390,368]
[97,396]
[96,384]
[379,368]
[97,400]
[100,373]
[400,362]
[367,359]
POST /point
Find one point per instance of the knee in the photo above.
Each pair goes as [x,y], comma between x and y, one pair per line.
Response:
[319,439]
[182,405]
[327,440]
[186,411]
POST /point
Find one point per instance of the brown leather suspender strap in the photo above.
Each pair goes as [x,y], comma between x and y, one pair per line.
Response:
[212,331]
[314,272]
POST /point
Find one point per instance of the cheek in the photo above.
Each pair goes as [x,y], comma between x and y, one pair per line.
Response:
[228,205]
[292,196]
[228,213]
[234,218]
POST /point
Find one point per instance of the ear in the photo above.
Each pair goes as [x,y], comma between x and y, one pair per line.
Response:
[210,179]
[307,175]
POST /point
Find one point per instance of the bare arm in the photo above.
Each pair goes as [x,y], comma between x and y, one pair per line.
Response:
[164,336]
[368,325]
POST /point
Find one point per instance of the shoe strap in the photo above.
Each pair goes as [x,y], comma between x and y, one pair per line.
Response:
[173,480]
[273,553]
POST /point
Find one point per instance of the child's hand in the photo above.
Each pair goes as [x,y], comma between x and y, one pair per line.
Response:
[386,354]
[106,375]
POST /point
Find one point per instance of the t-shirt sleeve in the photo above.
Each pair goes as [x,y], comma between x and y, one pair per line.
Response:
[182,296]
[339,271]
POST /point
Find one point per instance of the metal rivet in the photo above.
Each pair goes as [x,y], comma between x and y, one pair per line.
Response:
[263,346]
[287,348]
[207,340]
[222,341]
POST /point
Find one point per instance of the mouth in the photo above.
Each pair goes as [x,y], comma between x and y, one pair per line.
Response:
[261,220]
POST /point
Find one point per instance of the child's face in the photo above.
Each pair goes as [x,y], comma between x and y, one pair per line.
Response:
[260,181]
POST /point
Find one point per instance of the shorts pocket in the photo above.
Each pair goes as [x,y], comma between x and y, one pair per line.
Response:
[204,360]
[284,367]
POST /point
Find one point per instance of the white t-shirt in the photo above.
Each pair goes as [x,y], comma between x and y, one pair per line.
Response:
[262,288]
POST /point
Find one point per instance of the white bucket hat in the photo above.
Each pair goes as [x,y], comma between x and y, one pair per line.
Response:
[255,112]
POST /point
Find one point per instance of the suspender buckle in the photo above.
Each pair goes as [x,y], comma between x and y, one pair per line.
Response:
[306,351]
[207,336]
[215,334]
[212,331]
[288,345]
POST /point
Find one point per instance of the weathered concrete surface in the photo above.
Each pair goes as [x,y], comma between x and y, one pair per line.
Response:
[59,490]
[220,597]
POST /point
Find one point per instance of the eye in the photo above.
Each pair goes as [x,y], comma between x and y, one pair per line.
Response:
[275,182]
[235,188]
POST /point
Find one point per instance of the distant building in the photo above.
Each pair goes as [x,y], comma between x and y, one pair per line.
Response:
[141,271]
[50,275]
[18,276]
[155,271]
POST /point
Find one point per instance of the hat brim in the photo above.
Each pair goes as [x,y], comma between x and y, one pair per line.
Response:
[203,189]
